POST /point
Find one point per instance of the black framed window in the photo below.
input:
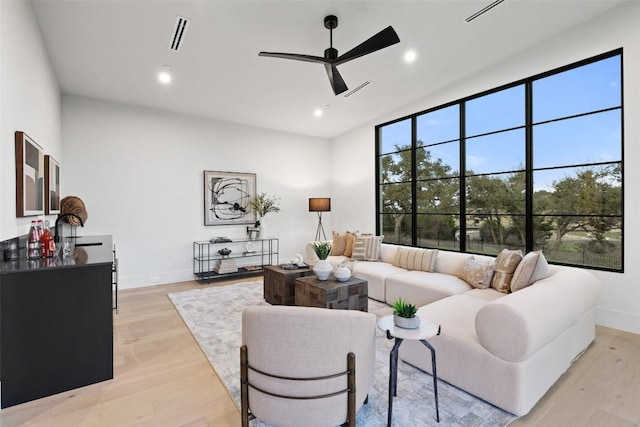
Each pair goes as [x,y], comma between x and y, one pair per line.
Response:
[534,165]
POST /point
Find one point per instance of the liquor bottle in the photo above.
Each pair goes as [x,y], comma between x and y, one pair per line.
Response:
[33,242]
[47,246]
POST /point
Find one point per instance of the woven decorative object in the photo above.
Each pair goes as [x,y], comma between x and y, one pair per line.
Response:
[73,205]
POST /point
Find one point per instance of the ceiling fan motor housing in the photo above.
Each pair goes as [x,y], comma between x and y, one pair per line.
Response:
[330,22]
[331,53]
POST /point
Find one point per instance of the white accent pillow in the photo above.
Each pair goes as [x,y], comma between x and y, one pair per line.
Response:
[532,268]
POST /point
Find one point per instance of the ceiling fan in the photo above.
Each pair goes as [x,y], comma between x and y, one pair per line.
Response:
[331,60]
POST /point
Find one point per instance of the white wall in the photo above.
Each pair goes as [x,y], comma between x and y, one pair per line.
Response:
[353,190]
[29,102]
[140,174]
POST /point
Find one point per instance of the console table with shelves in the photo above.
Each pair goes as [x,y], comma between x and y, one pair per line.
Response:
[206,258]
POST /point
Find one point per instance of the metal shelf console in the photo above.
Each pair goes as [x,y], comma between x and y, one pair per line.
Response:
[250,263]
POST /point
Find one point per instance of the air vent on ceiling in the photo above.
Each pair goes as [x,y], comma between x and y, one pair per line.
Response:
[178,33]
[485,9]
[351,92]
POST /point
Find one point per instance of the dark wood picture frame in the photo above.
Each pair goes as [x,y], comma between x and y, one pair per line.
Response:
[51,186]
[226,198]
[30,176]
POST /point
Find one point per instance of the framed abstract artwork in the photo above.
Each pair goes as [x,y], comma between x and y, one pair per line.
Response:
[51,186]
[226,198]
[30,176]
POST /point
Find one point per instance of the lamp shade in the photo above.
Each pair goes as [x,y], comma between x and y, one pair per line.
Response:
[319,204]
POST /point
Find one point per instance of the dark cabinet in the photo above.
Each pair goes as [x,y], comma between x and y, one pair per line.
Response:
[56,323]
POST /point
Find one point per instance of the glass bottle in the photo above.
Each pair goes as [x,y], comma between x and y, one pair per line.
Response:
[47,247]
[33,242]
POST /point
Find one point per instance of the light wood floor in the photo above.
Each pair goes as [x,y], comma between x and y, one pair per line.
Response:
[163,379]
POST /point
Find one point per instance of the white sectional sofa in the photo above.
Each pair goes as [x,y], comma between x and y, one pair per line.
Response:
[506,348]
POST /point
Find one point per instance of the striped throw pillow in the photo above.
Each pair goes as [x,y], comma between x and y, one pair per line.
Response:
[506,264]
[416,259]
[367,248]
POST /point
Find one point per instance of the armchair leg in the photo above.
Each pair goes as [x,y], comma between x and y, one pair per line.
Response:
[351,382]
[244,386]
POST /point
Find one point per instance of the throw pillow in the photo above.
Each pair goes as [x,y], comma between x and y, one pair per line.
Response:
[505,265]
[339,244]
[367,247]
[351,238]
[416,259]
[476,273]
[532,268]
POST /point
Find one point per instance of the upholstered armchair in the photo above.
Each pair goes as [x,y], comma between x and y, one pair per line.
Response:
[302,366]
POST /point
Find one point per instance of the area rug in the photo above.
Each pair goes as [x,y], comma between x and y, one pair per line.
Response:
[213,315]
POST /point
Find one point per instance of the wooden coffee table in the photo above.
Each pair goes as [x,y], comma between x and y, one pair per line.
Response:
[349,295]
[279,284]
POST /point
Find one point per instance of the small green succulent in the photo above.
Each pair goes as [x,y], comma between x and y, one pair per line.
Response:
[322,249]
[403,309]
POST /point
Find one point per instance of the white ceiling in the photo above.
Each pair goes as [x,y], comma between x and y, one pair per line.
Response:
[113,50]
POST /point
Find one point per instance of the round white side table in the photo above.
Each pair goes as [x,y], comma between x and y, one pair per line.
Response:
[426,330]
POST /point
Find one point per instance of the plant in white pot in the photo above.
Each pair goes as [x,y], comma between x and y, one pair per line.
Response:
[262,205]
[323,268]
[404,314]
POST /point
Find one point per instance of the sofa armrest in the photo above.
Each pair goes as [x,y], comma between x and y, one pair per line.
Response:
[517,325]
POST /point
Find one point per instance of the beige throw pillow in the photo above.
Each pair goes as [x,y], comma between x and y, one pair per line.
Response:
[532,268]
[339,244]
[367,248]
[351,238]
[506,264]
[416,259]
[476,273]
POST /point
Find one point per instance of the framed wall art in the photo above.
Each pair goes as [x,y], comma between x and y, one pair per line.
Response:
[51,186]
[226,198]
[30,176]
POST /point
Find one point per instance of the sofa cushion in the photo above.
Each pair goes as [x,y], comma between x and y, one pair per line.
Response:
[477,274]
[450,262]
[532,268]
[420,288]
[338,244]
[375,273]
[506,264]
[416,259]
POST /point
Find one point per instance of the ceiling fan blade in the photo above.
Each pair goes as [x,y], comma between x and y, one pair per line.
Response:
[384,38]
[337,83]
[295,56]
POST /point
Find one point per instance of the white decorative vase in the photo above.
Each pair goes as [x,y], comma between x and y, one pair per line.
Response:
[322,269]
[406,323]
[342,273]
[263,229]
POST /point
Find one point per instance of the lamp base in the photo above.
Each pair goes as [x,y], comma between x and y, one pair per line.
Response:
[320,229]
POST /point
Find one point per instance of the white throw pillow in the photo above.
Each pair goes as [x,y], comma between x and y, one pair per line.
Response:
[532,268]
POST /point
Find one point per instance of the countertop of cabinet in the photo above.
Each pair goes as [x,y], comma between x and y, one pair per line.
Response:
[89,250]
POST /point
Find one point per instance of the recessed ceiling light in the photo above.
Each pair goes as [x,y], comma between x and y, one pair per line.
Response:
[164,76]
[409,56]
[317,112]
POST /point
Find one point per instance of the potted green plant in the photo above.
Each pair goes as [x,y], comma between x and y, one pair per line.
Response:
[323,268]
[404,314]
[263,204]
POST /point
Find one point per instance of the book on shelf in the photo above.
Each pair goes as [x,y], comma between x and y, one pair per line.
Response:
[227,265]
